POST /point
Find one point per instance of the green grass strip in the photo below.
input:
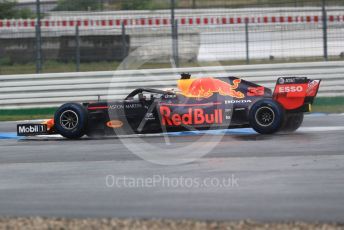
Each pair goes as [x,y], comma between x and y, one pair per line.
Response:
[328,105]
[33,111]
[26,114]
[329,101]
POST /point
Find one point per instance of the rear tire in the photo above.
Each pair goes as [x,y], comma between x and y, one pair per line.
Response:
[71,120]
[292,122]
[266,116]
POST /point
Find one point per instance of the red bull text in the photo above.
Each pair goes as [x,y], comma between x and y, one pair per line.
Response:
[193,117]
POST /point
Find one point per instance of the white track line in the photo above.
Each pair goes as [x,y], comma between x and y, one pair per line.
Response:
[321,129]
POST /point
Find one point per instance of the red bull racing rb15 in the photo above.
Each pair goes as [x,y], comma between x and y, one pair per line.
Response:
[198,104]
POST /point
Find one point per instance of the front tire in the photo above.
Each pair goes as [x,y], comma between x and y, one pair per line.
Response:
[71,120]
[266,116]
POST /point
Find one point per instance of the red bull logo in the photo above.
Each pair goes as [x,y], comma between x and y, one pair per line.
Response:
[193,117]
[206,87]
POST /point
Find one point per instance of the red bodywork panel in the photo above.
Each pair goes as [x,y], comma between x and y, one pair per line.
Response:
[291,93]
[50,124]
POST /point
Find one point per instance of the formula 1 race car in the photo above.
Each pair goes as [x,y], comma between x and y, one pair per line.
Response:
[199,104]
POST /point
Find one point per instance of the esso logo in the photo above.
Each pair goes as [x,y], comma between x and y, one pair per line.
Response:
[290,89]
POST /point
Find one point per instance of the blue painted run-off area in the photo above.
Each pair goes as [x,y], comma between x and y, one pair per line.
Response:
[215,132]
[9,136]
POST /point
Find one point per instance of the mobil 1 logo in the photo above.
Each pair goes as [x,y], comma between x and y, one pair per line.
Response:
[31,129]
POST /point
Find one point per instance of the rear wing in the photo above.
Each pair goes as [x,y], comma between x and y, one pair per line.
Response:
[296,93]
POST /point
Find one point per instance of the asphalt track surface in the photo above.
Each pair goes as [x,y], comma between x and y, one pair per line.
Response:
[281,177]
